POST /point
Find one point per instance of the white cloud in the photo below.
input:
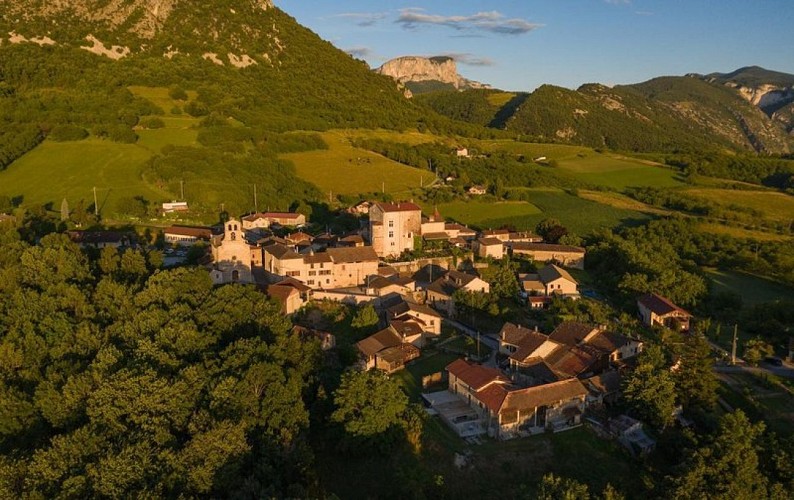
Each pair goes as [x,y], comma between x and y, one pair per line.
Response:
[363,19]
[491,21]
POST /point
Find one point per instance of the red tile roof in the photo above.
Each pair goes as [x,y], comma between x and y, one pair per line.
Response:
[400,206]
[474,375]
[541,395]
[660,305]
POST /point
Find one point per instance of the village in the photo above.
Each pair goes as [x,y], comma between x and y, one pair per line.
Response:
[514,381]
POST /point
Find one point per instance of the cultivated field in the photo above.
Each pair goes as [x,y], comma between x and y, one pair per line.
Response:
[774,206]
[617,200]
[486,214]
[57,170]
[618,172]
[343,169]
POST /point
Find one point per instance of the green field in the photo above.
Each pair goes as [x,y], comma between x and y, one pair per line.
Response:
[738,232]
[412,137]
[485,214]
[343,169]
[533,150]
[57,170]
[618,172]
[753,289]
[774,206]
[499,99]
[159,96]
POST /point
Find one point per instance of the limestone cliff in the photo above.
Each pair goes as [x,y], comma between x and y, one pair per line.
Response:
[423,73]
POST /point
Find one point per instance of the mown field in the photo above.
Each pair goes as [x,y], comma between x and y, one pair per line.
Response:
[485,214]
[774,206]
[343,169]
[57,170]
[618,172]
[752,289]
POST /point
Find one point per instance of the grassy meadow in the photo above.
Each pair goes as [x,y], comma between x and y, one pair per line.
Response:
[485,214]
[343,169]
[57,170]
[774,206]
[752,289]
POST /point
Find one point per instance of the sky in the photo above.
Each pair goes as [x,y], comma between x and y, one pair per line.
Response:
[522,44]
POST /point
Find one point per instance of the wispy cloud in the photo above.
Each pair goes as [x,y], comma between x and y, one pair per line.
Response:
[643,12]
[360,52]
[618,2]
[468,59]
[363,19]
[492,22]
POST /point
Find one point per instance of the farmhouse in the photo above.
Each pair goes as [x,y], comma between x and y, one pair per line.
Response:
[186,235]
[425,316]
[550,280]
[386,350]
[506,411]
[568,256]
[393,227]
[657,310]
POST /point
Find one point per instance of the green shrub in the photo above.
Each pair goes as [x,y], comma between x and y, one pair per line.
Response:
[68,133]
[152,122]
[177,93]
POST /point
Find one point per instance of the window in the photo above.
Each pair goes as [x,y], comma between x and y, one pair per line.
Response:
[293,273]
[391,234]
[310,282]
[311,266]
[391,223]
[312,273]
[327,281]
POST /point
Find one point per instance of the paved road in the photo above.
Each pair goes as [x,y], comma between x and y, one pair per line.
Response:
[780,371]
[488,340]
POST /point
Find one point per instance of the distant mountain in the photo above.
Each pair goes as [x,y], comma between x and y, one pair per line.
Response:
[771,91]
[423,74]
[663,114]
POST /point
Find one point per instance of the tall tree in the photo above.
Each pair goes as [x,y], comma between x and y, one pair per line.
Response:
[727,467]
[695,380]
[368,403]
[64,210]
[650,389]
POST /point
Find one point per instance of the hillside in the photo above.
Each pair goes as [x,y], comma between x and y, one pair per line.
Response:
[68,71]
[663,114]
[427,74]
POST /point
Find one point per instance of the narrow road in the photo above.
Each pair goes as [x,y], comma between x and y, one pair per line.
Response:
[485,339]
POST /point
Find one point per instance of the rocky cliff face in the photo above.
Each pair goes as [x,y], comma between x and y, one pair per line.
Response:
[441,70]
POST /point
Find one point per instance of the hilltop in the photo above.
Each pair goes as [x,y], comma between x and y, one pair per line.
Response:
[662,114]
[423,74]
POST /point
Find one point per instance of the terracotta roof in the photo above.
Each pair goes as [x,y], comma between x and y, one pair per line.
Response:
[379,341]
[353,238]
[193,231]
[542,395]
[281,292]
[514,334]
[571,361]
[571,332]
[545,247]
[608,341]
[528,345]
[493,396]
[605,383]
[400,206]
[494,232]
[539,370]
[443,286]
[353,254]
[474,375]
[489,241]
[552,272]
[407,328]
[282,252]
[660,305]
[299,236]
[404,307]
[317,258]
[379,282]
[436,236]
[296,284]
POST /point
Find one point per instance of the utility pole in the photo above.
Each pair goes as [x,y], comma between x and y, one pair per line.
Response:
[182,189]
[96,204]
[383,187]
[256,206]
[733,347]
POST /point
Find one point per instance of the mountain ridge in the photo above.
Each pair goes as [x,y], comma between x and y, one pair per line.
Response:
[421,74]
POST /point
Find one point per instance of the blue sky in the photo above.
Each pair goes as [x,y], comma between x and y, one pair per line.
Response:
[522,44]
